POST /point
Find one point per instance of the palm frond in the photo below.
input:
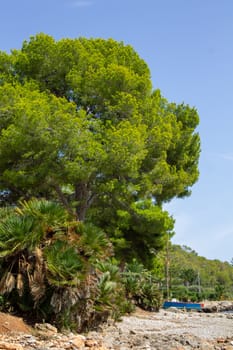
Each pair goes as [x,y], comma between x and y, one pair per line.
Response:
[108,266]
[63,262]
[93,240]
[4,212]
[7,283]
[106,285]
[17,233]
[48,212]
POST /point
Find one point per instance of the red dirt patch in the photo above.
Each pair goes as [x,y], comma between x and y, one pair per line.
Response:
[9,323]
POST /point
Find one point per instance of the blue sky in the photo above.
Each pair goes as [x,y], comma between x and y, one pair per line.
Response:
[188,45]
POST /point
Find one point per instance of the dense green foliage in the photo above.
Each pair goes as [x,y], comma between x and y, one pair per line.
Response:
[81,124]
[195,277]
[81,127]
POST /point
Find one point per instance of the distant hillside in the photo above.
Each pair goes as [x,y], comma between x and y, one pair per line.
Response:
[195,277]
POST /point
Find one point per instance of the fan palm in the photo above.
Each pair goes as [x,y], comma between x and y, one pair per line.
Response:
[26,232]
[27,226]
[63,263]
[49,263]
[94,241]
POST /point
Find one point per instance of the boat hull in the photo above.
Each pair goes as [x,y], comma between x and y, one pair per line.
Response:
[182,305]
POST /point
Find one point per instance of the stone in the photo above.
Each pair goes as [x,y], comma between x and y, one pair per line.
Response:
[206,346]
[91,343]
[45,330]
[10,346]
[46,327]
[221,340]
[78,341]
[175,310]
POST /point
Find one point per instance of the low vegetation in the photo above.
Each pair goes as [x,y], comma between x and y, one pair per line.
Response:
[62,271]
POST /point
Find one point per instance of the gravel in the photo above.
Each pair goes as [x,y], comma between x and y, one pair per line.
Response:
[208,326]
[192,328]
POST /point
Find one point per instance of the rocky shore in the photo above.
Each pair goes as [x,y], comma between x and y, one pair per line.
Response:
[170,329]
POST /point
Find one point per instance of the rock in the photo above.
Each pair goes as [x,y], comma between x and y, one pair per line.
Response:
[45,330]
[217,306]
[175,310]
[46,327]
[10,346]
[204,345]
[221,340]
[91,342]
[78,341]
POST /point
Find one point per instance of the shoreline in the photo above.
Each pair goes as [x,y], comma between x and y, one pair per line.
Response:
[171,329]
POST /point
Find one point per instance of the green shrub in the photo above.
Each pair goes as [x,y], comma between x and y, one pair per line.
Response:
[141,286]
[56,269]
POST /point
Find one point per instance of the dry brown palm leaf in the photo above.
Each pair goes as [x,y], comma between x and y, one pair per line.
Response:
[20,284]
[10,282]
[7,283]
[90,285]
[22,264]
[37,285]
[72,235]
[36,280]
[65,298]
[57,302]
[72,295]
[39,262]
[38,255]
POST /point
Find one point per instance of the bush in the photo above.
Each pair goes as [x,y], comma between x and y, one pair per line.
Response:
[141,286]
[55,269]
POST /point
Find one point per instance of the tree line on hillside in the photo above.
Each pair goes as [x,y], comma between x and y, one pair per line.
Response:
[196,278]
[89,153]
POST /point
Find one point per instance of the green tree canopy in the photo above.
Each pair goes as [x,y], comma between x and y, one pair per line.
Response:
[80,123]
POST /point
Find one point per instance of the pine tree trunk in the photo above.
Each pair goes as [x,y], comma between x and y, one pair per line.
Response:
[84,198]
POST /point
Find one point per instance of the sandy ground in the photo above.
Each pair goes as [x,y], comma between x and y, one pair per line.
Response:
[9,323]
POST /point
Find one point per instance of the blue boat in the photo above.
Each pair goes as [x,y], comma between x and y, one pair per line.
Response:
[182,305]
